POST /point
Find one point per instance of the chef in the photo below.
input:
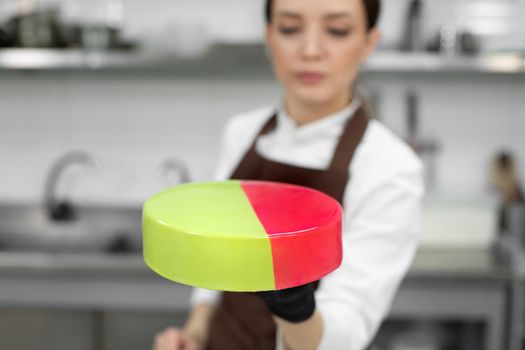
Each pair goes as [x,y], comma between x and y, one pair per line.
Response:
[321,136]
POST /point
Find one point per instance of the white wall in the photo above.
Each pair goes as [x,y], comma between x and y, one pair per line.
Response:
[472,117]
[132,122]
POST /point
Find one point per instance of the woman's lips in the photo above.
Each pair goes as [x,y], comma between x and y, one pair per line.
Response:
[310,77]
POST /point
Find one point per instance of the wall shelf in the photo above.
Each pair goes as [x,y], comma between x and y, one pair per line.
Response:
[397,62]
[246,57]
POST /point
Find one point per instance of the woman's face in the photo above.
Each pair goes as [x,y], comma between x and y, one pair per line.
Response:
[316,47]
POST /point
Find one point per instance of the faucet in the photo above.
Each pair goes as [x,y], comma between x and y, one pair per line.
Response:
[61,210]
[427,148]
[177,167]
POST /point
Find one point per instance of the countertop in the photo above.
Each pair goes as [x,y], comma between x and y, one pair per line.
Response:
[109,282]
[429,262]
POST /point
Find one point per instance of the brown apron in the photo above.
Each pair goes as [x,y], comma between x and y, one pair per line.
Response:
[242,320]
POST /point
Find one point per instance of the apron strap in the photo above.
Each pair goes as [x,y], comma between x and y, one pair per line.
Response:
[351,137]
[268,126]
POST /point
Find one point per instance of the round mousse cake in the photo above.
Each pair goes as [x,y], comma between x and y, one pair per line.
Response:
[242,235]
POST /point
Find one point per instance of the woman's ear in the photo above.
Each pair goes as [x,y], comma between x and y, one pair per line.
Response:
[372,41]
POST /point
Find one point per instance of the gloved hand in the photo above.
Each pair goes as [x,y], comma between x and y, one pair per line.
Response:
[296,304]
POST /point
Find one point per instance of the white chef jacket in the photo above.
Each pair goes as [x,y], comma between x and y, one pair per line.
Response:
[381,222]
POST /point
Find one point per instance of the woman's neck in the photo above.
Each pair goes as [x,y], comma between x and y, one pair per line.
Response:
[304,113]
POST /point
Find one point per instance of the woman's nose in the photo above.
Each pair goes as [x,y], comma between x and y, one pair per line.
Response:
[311,48]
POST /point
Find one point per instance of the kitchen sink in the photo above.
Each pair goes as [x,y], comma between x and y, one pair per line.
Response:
[94,229]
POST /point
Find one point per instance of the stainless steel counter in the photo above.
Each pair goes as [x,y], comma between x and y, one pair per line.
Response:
[469,264]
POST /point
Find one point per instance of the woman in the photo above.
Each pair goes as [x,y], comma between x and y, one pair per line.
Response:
[318,137]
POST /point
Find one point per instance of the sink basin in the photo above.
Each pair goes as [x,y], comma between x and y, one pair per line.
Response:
[96,229]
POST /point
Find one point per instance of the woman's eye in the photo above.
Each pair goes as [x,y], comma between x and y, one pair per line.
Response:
[288,30]
[338,32]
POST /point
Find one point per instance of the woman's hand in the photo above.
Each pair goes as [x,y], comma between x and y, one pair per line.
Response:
[194,334]
[175,339]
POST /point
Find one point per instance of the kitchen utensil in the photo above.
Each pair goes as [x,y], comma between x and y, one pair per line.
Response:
[6,35]
[450,41]
[93,25]
[504,178]
[515,215]
[242,235]
[186,38]
[40,28]
[412,39]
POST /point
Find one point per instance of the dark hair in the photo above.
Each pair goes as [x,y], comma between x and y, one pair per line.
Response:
[372,9]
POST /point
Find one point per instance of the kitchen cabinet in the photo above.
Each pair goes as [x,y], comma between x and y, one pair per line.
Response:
[443,284]
[467,285]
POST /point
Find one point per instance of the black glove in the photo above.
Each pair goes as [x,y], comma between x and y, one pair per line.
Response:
[296,304]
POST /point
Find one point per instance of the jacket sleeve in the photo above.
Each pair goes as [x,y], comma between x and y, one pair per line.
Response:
[380,235]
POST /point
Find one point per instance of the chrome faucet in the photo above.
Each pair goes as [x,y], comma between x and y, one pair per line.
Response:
[61,210]
[177,167]
[426,147]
